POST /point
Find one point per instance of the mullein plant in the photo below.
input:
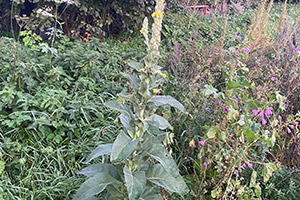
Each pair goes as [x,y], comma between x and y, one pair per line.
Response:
[140,165]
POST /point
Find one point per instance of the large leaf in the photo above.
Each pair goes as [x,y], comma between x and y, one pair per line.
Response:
[250,135]
[159,176]
[211,133]
[162,122]
[151,194]
[93,186]
[120,107]
[122,148]
[102,149]
[100,168]
[168,100]
[125,121]
[209,89]
[135,182]
[135,81]
[135,65]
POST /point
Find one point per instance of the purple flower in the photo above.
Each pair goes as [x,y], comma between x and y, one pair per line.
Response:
[269,112]
[289,130]
[232,65]
[297,49]
[236,37]
[225,109]
[204,163]
[236,48]
[235,54]
[220,102]
[202,143]
[235,99]
[292,126]
[279,117]
[264,122]
[273,78]
[230,135]
[241,89]
[243,168]
[296,123]
[246,50]
[224,167]
[255,112]
[261,114]
[147,178]
[217,111]
[249,164]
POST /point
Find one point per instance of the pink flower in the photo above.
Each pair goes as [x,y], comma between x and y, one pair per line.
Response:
[264,122]
[236,37]
[235,54]
[241,89]
[204,163]
[297,49]
[289,130]
[261,114]
[202,143]
[273,78]
[269,112]
[224,167]
[232,65]
[220,102]
[279,117]
[230,135]
[243,168]
[225,109]
[255,112]
[263,99]
[235,99]
[236,48]
[292,126]
[249,164]
[246,50]
[296,123]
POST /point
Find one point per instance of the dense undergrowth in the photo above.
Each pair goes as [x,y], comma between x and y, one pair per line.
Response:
[53,115]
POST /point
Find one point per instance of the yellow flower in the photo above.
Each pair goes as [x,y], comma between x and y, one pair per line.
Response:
[142,32]
[157,14]
[192,143]
[163,75]
[156,91]
[143,69]
[156,72]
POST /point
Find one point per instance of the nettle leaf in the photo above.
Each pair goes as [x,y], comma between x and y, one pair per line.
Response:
[159,176]
[101,168]
[251,136]
[168,100]
[162,122]
[268,170]
[209,89]
[122,148]
[134,80]
[212,132]
[135,182]
[102,149]
[124,109]
[93,186]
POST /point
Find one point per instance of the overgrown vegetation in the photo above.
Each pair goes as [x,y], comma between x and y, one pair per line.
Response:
[236,75]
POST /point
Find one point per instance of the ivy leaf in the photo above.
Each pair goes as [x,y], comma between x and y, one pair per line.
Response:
[102,149]
[159,176]
[168,100]
[135,182]
[122,147]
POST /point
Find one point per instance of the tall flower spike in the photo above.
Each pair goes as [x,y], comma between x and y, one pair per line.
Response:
[145,31]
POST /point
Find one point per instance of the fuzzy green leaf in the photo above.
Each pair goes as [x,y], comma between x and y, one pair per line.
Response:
[122,148]
[102,149]
[151,194]
[135,182]
[159,176]
[212,131]
[250,135]
[168,100]
[135,65]
[162,122]
[100,168]
[124,109]
[135,81]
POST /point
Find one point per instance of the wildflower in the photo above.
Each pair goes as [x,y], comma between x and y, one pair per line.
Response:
[142,32]
[236,48]
[232,65]
[296,123]
[289,130]
[147,178]
[236,37]
[263,99]
[220,102]
[235,99]
[157,14]
[246,50]
[217,111]
[292,126]
[163,75]
[249,164]
[230,135]
[225,109]
[279,117]
[273,78]
[264,122]
[269,112]
[241,89]
[261,114]
[202,142]
[192,143]
[204,163]
[235,54]
[297,49]
[156,91]
[255,112]
[224,167]
[242,167]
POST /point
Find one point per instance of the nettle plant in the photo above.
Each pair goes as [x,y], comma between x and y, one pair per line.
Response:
[140,163]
